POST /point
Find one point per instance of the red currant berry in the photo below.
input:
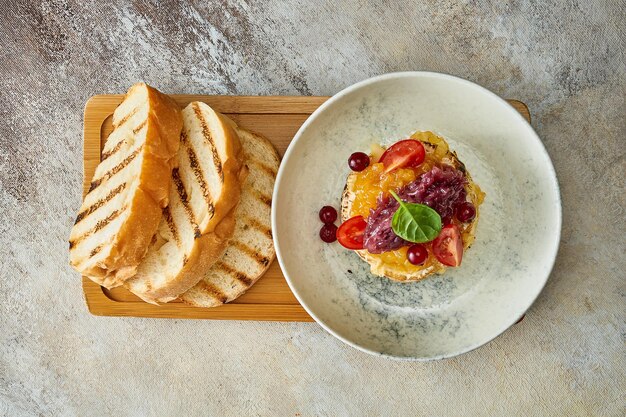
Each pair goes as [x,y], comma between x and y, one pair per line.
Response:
[358,161]
[417,254]
[465,212]
[328,214]
[328,233]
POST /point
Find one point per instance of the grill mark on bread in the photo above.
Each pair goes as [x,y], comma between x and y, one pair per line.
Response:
[140,126]
[213,291]
[119,144]
[208,139]
[264,167]
[117,168]
[259,226]
[197,171]
[238,275]
[99,226]
[102,223]
[184,199]
[126,118]
[95,251]
[263,260]
[262,197]
[111,152]
[171,225]
[95,206]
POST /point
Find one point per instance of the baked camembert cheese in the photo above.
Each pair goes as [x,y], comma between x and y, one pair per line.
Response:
[410,210]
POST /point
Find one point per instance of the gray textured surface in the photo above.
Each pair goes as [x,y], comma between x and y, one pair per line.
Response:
[566,61]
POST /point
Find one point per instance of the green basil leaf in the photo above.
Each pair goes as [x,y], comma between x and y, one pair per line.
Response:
[415,223]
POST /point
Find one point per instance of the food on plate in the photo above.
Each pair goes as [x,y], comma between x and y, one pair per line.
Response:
[251,249]
[417,254]
[328,232]
[328,214]
[412,211]
[350,233]
[204,192]
[130,187]
[358,161]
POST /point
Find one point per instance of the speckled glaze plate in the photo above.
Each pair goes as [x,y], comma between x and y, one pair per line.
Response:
[516,241]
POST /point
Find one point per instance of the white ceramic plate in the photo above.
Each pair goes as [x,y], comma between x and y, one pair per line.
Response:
[516,240]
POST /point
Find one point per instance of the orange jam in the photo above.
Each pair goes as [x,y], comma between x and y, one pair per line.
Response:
[372,181]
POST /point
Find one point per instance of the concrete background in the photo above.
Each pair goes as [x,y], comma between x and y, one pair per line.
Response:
[566,60]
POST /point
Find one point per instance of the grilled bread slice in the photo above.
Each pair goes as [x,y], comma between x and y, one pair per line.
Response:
[468,230]
[251,250]
[130,187]
[195,227]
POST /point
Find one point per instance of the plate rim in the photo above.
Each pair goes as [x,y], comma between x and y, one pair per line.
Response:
[555,244]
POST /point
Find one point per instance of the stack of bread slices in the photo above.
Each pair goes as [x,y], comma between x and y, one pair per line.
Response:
[179,206]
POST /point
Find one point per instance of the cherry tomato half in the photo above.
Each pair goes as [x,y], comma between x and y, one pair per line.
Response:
[448,246]
[350,233]
[406,153]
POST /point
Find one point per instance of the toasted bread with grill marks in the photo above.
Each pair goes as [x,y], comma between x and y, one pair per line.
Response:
[251,250]
[122,210]
[468,230]
[199,221]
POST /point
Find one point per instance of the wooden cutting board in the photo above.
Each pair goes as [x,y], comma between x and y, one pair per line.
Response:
[276,117]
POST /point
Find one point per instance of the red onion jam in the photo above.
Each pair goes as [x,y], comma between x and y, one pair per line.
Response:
[442,189]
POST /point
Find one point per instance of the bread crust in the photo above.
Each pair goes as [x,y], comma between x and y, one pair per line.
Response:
[164,124]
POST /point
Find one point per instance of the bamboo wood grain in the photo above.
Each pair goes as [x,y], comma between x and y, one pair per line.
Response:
[276,117]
